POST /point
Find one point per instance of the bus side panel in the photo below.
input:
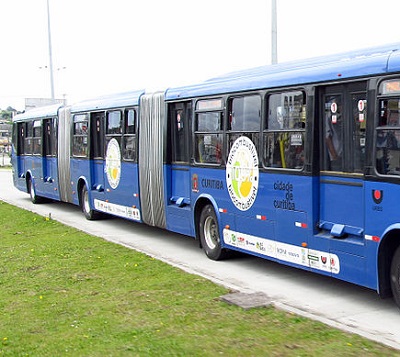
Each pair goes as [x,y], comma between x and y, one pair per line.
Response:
[78,168]
[123,200]
[211,182]
[19,178]
[179,206]
[33,164]
[96,180]
[381,213]
[50,178]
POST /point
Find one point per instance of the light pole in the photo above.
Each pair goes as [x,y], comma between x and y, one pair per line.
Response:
[50,53]
[274,33]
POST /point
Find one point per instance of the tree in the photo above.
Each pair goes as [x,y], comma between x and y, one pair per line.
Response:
[7,114]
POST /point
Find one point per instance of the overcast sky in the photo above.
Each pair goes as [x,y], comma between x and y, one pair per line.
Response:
[103,46]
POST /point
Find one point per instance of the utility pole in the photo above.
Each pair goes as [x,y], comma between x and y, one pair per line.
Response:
[274,33]
[50,53]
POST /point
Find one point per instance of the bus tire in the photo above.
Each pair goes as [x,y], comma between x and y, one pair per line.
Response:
[32,193]
[87,210]
[395,276]
[209,234]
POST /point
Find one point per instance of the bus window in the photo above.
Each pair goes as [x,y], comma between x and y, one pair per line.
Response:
[114,123]
[180,124]
[97,135]
[208,132]
[19,139]
[359,113]
[37,137]
[50,137]
[29,138]
[344,122]
[284,137]
[114,126]
[129,139]
[80,136]
[130,121]
[388,137]
[333,132]
[180,118]
[244,118]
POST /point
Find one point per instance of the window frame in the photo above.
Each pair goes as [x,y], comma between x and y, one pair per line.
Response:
[50,138]
[80,118]
[126,135]
[254,135]
[37,137]
[114,133]
[215,105]
[385,96]
[291,133]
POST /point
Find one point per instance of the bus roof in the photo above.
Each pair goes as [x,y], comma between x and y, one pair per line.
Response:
[47,111]
[354,64]
[108,102]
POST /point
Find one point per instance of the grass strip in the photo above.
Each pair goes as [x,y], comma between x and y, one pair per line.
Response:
[64,292]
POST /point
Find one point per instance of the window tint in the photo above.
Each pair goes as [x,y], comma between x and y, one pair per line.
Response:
[80,135]
[333,132]
[97,135]
[28,144]
[244,119]
[388,137]
[245,114]
[50,137]
[129,139]
[208,132]
[209,121]
[18,137]
[181,118]
[114,123]
[285,134]
[286,111]
[130,121]
[344,122]
[37,137]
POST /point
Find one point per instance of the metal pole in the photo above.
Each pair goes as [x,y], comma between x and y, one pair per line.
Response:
[274,33]
[50,52]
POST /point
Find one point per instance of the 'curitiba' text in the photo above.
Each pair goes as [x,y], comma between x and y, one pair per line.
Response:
[287,202]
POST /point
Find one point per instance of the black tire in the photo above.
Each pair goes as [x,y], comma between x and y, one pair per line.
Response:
[209,234]
[32,193]
[395,276]
[87,210]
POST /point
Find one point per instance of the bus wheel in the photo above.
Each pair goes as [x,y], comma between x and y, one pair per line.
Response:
[209,234]
[32,192]
[395,276]
[89,213]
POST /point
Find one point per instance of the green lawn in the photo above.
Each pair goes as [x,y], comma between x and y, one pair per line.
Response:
[64,292]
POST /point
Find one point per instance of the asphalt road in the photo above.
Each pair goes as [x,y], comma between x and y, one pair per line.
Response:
[338,304]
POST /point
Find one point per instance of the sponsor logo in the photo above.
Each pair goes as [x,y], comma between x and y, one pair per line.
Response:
[242,173]
[195,183]
[113,163]
[377,196]
[314,259]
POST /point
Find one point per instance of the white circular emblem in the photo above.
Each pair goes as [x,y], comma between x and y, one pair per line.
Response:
[113,163]
[242,173]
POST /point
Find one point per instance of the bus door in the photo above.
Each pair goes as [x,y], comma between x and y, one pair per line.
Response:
[20,148]
[179,209]
[97,151]
[49,156]
[121,171]
[344,116]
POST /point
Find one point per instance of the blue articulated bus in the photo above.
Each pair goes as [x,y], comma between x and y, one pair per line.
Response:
[298,163]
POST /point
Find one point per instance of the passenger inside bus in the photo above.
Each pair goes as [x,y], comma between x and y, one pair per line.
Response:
[388,138]
[333,133]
